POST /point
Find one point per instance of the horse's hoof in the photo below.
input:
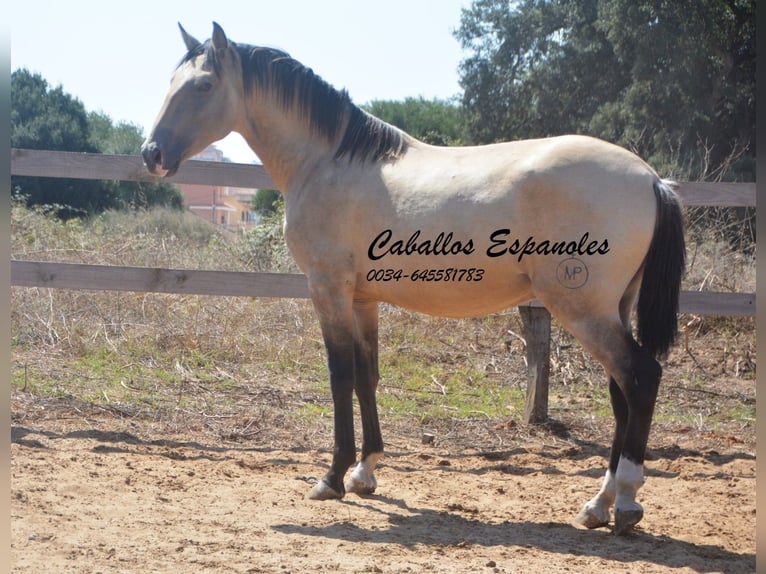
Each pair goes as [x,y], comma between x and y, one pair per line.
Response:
[362,480]
[358,486]
[323,491]
[590,517]
[625,520]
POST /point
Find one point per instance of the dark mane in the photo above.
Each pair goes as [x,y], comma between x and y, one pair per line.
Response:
[323,107]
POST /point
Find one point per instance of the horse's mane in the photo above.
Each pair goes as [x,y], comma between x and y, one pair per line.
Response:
[324,108]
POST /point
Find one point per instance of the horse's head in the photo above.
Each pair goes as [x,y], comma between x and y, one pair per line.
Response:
[202,106]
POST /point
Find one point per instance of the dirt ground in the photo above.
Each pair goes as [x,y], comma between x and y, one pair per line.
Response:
[100,494]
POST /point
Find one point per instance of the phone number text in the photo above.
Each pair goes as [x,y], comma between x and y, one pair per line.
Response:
[427,275]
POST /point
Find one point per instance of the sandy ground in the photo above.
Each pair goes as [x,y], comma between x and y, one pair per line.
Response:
[106,496]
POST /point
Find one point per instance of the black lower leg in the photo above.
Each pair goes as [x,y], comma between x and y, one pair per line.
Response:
[620,410]
[342,384]
[366,386]
[344,452]
[366,379]
[373,440]
[643,390]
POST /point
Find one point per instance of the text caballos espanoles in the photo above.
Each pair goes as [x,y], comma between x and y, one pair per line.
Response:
[500,243]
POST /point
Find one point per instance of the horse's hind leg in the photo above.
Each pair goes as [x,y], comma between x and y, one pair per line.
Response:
[362,479]
[634,381]
[640,392]
[597,511]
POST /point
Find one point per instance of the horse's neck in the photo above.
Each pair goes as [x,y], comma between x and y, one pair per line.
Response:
[283,141]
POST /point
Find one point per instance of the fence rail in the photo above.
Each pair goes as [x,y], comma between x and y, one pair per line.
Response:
[247,284]
[42,163]
[131,168]
[199,282]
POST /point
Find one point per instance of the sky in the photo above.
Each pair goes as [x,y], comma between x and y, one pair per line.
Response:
[117,57]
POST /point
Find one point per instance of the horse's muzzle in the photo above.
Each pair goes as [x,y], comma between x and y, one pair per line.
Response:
[154,160]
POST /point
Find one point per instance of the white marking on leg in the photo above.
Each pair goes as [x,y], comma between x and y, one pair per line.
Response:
[362,479]
[595,513]
[627,512]
[630,477]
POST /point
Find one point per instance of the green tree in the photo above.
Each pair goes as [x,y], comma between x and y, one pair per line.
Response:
[438,122]
[125,138]
[675,81]
[121,138]
[266,201]
[44,117]
[48,118]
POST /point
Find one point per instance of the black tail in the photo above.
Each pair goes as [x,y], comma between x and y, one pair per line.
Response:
[663,268]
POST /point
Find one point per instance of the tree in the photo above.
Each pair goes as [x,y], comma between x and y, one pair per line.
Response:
[122,138]
[266,201]
[45,118]
[438,122]
[126,138]
[675,81]
[50,119]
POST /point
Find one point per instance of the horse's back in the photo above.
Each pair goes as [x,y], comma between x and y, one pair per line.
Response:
[569,158]
[549,188]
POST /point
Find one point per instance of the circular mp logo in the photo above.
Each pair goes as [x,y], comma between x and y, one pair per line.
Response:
[572,273]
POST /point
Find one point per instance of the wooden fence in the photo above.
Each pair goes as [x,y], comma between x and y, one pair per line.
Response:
[536,320]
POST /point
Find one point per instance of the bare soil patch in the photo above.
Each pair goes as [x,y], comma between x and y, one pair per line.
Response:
[94,492]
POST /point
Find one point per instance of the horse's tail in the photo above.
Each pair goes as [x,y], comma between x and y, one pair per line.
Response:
[663,268]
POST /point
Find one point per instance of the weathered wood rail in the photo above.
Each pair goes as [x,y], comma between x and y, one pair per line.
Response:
[535,318]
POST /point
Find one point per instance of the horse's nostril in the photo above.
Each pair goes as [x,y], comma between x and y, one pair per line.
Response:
[152,155]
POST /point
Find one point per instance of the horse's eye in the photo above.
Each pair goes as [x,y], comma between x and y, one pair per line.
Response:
[204,86]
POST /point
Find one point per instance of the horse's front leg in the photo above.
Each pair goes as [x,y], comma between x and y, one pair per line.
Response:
[336,320]
[362,479]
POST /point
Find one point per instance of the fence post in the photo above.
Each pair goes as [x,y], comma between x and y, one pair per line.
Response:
[537,333]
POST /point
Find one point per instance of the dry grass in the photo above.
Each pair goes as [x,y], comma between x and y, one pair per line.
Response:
[242,369]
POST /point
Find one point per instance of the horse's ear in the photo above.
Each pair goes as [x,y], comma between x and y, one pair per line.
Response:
[190,41]
[220,42]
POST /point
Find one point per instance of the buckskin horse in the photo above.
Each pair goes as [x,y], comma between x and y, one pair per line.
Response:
[372,214]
